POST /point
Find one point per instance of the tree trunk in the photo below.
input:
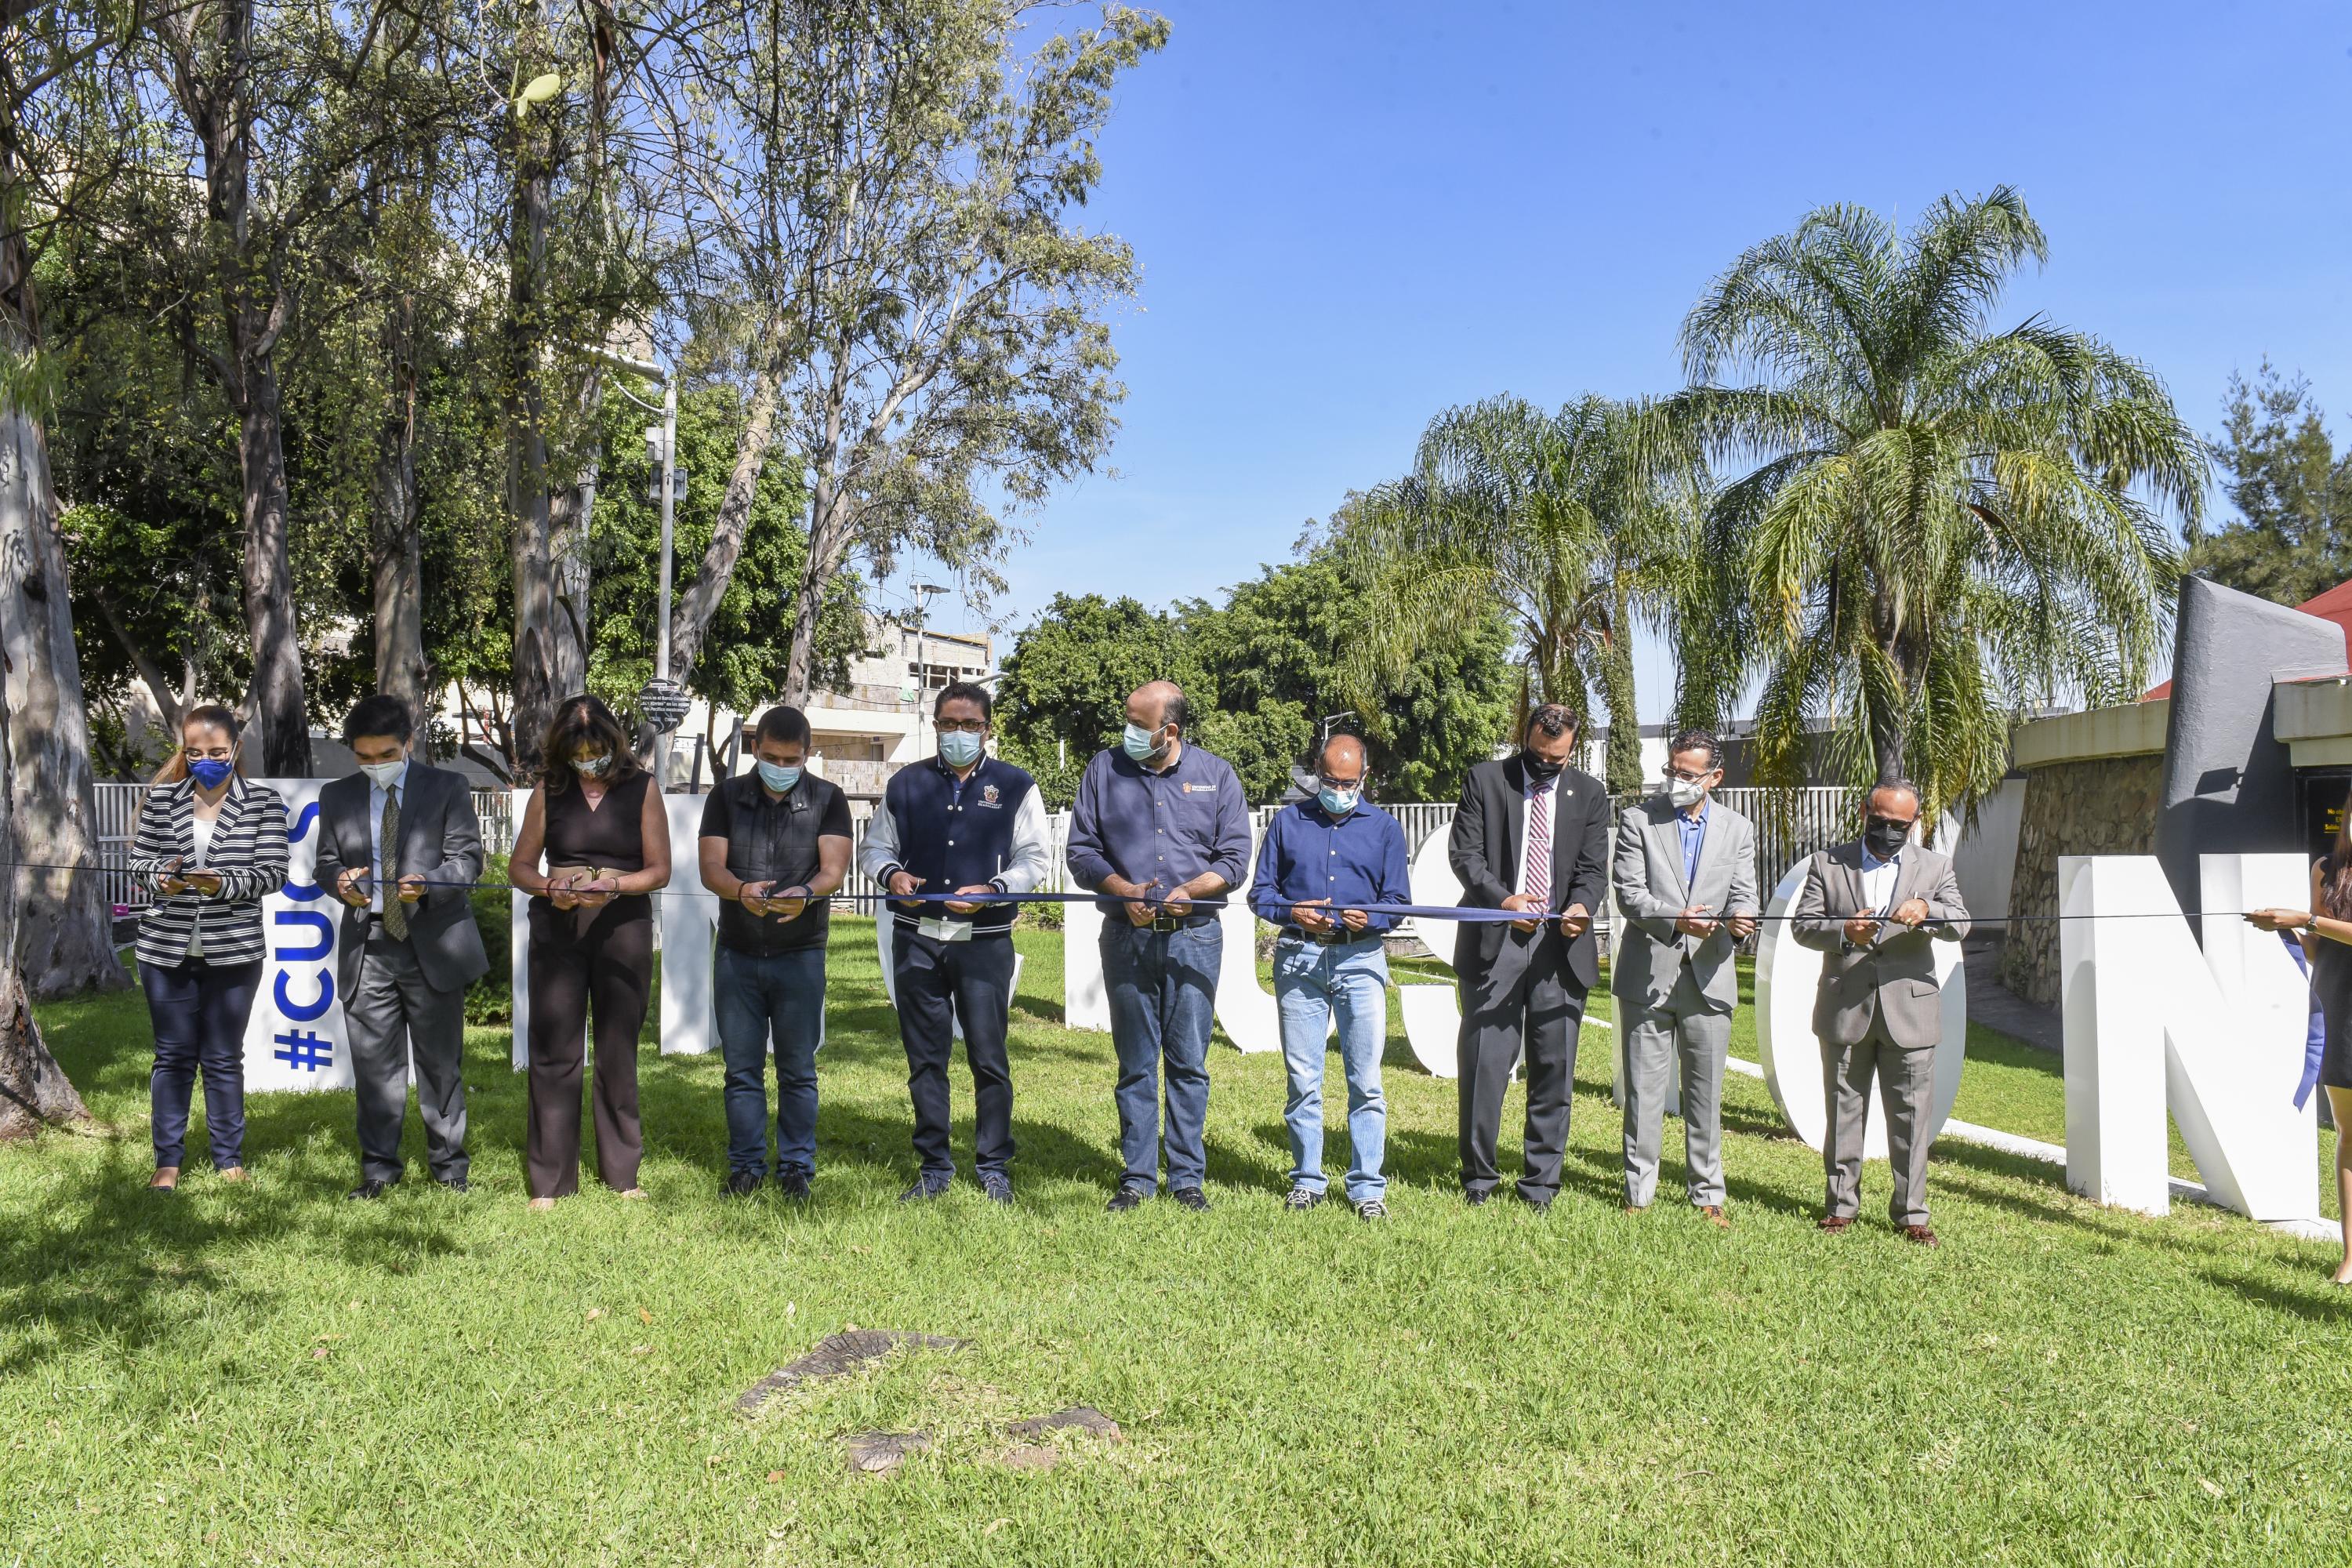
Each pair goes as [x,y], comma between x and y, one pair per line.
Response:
[33,1090]
[828,542]
[703,594]
[537,668]
[396,550]
[1621,768]
[570,511]
[59,938]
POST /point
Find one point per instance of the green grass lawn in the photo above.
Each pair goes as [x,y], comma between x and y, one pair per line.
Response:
[271,1375]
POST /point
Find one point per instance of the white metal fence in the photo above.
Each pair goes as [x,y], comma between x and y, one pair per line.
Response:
[1791,824]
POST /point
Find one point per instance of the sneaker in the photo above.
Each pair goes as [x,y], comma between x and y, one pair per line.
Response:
[927,1186]
[1302,1199]
[1126,1198]
[793,1183]
[1193,1198]
[997,1185]
[742,1183]
[1372,1208]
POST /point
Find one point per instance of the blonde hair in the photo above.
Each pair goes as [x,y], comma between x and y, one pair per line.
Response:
[212,716]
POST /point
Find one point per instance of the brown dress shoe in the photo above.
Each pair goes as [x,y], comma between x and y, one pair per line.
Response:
[1920,1234]
[1837,1223]
[1637,1208]
[1715,1217]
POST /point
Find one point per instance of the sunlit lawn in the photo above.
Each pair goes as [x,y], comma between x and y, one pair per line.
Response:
[271,1375]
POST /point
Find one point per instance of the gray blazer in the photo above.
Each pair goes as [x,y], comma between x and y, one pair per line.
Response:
[440,840]
[1894,975]
[1647,873]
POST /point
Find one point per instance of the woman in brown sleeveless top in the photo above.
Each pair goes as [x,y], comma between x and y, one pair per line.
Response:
[598,820]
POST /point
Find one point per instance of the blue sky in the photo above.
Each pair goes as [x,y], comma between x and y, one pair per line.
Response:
[1351,216]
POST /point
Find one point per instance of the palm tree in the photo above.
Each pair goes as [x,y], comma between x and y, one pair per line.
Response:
[1942,524]
[1545,514]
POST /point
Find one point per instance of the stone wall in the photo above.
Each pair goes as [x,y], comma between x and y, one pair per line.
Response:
[2106,806]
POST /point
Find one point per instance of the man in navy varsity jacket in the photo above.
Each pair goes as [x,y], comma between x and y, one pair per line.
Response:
[969,823]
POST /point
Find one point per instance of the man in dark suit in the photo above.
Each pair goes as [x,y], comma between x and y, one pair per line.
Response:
[1531,835]
[400,845]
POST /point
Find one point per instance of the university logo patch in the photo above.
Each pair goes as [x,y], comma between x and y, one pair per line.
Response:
[988,795]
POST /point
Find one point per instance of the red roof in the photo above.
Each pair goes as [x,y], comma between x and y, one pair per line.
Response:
[2335,604]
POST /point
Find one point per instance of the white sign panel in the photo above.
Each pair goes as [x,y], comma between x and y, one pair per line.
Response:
[294,1035]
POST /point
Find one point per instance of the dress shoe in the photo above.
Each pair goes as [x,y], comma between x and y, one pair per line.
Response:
[1714,1215]
[1836,1224]
[997,1185]
[926,1187]
[231,1172]
[370,1189]
[453,1183]
[1126,1198]
[166,1179]
[1541,1206]
[793,1183]
[1919,1234]
[1637,1208]
[1193,1198]
[742,1183]
[1476,1197]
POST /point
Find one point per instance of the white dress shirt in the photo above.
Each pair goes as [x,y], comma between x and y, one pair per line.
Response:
[1878,880]
[377,795]
[1527,803]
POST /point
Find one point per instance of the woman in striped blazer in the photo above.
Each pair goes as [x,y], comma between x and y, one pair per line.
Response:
[210,843]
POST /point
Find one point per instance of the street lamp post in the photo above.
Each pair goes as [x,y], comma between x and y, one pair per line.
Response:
[663,702]
[923,591]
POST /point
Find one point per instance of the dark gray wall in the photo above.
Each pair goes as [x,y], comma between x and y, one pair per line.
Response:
[2228,788]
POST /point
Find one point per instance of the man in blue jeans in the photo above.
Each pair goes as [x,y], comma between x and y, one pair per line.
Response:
[1324,870]
[775,841]
[1160,824]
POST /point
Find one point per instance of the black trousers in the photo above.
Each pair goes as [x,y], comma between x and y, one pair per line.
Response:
[938,982]
[1519,1001]
[609,970]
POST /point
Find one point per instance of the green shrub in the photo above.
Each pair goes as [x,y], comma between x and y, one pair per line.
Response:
[491,999]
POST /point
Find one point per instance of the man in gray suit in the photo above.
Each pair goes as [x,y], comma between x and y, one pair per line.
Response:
[1685,875]
[400,845]
[1877,906]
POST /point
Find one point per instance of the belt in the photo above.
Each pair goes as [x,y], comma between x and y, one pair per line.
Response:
[1341,938]
[1164,923]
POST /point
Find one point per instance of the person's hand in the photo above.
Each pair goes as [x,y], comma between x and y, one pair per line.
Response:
[1518,901]
[1178,902]
[560,894]
[1355,919]
[968,900]
[904,884]
[1742,927]
[170,884]
[790,904]
[1910,912]
[1696,920]
[2279,920]
[1860,930]
[204,884]
[348,886]
[1310,916]
[1575,920]
[1139,912]
[753,897]
[596,892]
[411,888]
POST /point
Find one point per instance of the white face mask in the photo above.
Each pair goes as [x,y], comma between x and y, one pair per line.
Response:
[385,775]
[1683,793]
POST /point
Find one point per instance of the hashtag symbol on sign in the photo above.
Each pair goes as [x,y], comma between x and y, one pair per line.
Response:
[304,1049]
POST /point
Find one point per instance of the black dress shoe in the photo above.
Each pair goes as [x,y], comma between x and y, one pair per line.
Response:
[1478,1197]
[454,1184]
[742,1183]
[1126,1198]
[793,1185]
[1193,1198]
[927,1187]
[370,1189]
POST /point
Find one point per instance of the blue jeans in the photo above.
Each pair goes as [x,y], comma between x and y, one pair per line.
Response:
[1164,998]
[753,994]
[198,1011]
[1311,982]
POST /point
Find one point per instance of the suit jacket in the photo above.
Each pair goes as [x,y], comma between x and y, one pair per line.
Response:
[1893,977]
[440,840]
[1485,850]
[1647,875]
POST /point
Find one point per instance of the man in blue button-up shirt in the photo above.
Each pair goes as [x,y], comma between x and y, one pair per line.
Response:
[1327,867]
[1157,824]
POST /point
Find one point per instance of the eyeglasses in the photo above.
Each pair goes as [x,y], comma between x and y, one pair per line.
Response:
[962,726]
[1331,783]
[1678,775]
[208,753]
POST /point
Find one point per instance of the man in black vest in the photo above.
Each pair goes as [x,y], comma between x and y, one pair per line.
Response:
[1531,835]
[774,845]
[971,825]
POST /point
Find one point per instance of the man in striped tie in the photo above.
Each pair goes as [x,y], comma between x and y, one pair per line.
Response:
[1532,836]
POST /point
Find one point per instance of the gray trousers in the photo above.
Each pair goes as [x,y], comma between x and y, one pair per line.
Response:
[392,1016]
[1697,1031]
[1907,1082]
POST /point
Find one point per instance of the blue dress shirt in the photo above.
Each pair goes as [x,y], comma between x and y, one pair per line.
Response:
[1164,827]
[1693,832]
[1357,861]
[377,793]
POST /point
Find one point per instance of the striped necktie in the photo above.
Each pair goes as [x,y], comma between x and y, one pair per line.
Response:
[1538,875]
[396,913]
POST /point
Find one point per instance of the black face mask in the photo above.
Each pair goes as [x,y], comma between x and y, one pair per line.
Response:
[1539,770]
[1883,835]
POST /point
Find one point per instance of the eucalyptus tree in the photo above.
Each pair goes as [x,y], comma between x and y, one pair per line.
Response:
[1564,520]
[1932,523]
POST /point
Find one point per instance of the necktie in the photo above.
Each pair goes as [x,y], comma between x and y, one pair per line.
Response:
[396,913]
[1539,876]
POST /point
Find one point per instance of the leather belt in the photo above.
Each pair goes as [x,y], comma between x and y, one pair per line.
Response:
[1165,923]
[1341,938]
